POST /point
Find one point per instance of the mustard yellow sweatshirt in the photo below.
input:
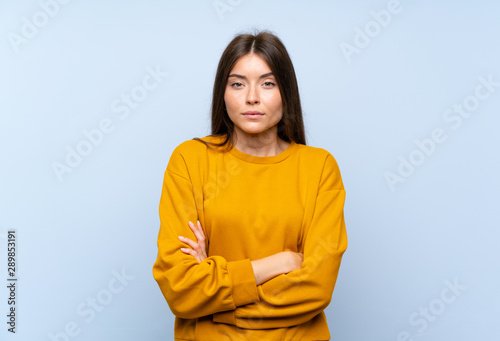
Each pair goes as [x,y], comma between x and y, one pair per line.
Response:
[250,207]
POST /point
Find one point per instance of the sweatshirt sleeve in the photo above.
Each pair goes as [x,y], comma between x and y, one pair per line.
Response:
[194,289]
[295,298]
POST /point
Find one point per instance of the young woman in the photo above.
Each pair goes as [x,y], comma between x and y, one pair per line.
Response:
[252,226]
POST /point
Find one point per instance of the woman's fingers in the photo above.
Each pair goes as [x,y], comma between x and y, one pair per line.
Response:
[194,245]
[193,251]
[200,237]
[189,251]
[198,249]
[198,232]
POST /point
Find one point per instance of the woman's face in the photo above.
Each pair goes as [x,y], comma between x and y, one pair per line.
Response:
[252,97]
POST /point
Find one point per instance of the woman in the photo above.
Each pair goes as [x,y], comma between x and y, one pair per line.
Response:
[261,259]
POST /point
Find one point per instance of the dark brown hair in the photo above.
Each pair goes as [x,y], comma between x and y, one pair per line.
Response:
[271,49]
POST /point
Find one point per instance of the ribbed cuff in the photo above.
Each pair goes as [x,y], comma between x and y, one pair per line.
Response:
[244,286]
[226,317]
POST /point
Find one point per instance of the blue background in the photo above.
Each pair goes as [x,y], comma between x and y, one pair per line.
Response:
[63,65]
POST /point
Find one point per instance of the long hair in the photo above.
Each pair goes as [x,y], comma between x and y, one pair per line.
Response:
[271,49]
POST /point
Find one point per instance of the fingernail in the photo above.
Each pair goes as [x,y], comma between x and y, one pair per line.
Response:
[190,223]
[181,237]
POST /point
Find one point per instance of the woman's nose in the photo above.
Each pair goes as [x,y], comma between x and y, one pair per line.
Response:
[252,95]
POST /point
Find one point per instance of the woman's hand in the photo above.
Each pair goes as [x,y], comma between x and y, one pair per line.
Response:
[292,260]
[198,248]
[280,263]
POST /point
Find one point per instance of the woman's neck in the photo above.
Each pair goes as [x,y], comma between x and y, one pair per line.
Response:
[263,144]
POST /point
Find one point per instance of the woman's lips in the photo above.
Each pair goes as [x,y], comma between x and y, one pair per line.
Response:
[253,114]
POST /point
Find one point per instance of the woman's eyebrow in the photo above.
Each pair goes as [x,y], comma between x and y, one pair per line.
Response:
[244,77]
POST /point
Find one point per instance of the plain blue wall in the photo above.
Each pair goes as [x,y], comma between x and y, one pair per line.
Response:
[382,86]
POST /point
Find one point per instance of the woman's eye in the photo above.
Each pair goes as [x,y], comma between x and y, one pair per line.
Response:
[236,85]
[269,84]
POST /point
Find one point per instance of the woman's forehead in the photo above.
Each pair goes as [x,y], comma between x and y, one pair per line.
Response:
[251,65]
